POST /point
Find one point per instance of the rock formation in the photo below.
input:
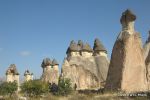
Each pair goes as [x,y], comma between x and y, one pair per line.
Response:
[28,76]
[50,71]
[86,67]
[127,71]
[12,74]
[147,58]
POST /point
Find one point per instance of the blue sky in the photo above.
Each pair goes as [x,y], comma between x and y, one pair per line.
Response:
[31,30]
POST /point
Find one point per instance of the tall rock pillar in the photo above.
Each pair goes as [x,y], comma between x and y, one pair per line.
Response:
[50,71]
[127,71]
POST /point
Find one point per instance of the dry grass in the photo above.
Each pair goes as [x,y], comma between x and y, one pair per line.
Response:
[106,96]
[77,96]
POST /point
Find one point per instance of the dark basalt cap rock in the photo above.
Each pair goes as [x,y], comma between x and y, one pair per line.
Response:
[27,72]
[46,62]
[127,16]
[12,69]
[86,47]
[98,46]
[80,45]
[54,62]
[73,47]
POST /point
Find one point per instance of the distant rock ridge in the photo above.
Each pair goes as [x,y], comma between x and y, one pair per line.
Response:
[86,67]
[127,71]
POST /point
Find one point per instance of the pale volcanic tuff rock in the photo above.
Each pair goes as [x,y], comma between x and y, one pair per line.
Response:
[12,74]
[28,76]
[50,71]
[127,71]
[147,58]
[84,69]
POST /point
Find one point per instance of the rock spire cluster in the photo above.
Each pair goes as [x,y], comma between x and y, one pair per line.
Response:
[86,67]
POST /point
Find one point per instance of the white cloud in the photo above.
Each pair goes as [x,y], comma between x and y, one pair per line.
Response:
[25,53]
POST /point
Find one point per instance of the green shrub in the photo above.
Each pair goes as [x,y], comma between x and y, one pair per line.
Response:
[64,86]
[34,88]
[8,88]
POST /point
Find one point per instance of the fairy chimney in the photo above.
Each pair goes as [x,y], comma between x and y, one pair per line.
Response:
[99,49]
[12,74]
[50,71]
[55,76]
[73,50]
[85,71]
[28,76]
[86,50]
[127,59]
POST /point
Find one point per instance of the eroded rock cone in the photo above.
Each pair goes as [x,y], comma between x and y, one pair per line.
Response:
[50,71]
[127,71]
[86,71]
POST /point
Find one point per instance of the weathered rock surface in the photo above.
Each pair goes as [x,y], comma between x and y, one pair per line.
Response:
[85,70]
[28,76]
[50,71]
[12,74]
[127,69]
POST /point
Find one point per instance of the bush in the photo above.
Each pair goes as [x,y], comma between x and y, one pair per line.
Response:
[54,88]
[63,88]
[8,88]
[34,88]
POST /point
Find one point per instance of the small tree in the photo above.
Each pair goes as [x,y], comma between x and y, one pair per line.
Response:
[64,86]
[34,88]
[8,88]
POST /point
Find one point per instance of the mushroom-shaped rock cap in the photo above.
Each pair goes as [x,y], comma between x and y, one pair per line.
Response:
[127,16]
[80,43]
[12,70]
[46,62]
[54,62]
[98,46]
[86,47]
[27,72]
[73,47]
